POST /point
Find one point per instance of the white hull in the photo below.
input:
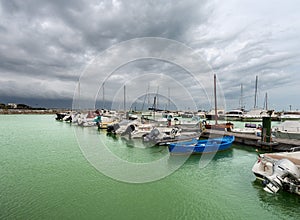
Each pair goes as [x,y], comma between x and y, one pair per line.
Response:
[287,135]
[247,131]
[279,171]
[288,130]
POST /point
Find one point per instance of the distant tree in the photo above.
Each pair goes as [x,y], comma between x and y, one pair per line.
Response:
[2,106]
[23,106]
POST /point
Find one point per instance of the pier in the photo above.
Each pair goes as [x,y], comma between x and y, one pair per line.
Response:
[276,144]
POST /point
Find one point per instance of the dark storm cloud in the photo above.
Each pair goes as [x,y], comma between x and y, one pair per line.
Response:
[54,40]
[51,42]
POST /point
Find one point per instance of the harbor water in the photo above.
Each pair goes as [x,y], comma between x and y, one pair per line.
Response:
[44,175]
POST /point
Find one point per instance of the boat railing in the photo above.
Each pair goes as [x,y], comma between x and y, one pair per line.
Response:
[294,149]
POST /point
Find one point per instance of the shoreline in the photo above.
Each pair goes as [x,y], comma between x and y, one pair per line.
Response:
[30,111]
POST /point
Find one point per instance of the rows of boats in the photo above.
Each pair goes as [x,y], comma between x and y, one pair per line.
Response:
[153,129]
[170,124]
[254,115]
[276,171]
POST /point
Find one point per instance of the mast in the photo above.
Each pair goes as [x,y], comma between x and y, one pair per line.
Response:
[103,96]
[157,97]
[255,94]
[266,101]
[215,95]
[241,99]
[124,104]
[154,107]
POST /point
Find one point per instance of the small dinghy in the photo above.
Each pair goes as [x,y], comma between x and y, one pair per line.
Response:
[202,146]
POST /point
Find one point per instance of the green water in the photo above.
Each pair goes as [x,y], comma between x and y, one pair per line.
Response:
[43,175]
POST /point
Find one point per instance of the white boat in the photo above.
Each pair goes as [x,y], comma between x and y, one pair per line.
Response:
[256,115]
[288,129]
[290,116]
[279,171]
[211,114]
[139,131]
[86,120]
[160,136]
[234,115]
[201,114]
[248,129]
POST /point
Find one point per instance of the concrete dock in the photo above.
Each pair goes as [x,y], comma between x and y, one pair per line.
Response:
[277,144]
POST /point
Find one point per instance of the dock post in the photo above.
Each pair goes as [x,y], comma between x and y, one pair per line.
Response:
[266,130]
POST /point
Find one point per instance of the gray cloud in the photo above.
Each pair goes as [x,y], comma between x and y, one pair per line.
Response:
[50,43]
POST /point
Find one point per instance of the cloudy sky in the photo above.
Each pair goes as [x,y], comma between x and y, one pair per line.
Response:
[45,46]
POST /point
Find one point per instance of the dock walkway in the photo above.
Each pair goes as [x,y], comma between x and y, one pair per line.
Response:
[277,144]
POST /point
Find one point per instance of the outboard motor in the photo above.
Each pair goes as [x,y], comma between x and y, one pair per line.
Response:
[284,172]
[113,128]
[68,118]
[152,136]
[128,130]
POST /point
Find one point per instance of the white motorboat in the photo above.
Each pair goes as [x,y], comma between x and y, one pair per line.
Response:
[211,114]
[279,171]
[256,115]
[288,129]
[248,129]
[234,115]
[86,120]
[290,116]
[163,136]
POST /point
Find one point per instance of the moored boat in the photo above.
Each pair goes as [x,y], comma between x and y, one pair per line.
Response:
[234,115]
[279,171]
[291,115]
[224,126]
[164,136]
[288,129]
[202,146]
[249,129]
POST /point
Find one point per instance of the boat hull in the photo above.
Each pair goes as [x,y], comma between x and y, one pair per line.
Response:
[278,171]
[202,146]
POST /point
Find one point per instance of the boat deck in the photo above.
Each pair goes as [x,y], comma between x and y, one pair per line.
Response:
[292,156]
[277,144]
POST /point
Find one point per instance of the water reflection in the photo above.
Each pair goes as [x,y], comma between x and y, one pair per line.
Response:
[282,202]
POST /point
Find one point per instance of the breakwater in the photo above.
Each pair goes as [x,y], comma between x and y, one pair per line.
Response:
[30,111]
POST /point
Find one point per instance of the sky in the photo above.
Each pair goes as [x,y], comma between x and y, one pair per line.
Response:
[48,47]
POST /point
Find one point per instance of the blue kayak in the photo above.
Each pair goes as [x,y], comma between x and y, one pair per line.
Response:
[202,146]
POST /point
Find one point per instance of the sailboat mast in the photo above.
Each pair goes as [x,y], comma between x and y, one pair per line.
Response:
[255,94]
[266,101]
[241,100]
[124,104]
[215,95]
